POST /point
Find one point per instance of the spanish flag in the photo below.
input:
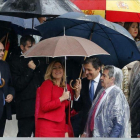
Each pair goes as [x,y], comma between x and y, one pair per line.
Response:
[112,10]
[6,50]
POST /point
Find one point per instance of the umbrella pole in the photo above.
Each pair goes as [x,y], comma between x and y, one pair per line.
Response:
[32,24]
[81,70]
[66,89]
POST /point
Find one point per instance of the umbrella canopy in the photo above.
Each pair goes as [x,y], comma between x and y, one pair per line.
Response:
[138,45]
[64,46]
[112,10]
[34,8]
[112,37]
[20,25]
[25,23]
[4,28]
[24,31]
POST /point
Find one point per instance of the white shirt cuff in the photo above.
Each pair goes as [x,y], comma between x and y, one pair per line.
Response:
[76,99]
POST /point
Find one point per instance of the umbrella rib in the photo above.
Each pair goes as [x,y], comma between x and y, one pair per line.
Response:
[111,43]
[101,35]
[81,46]
[108,32]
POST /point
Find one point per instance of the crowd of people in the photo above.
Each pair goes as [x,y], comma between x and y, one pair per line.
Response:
[46,106]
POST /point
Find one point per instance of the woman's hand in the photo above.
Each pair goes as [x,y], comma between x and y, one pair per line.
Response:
[65,96]
[66,135]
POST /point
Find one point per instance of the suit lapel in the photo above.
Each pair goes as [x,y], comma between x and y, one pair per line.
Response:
[87,90]
[98,89]
[86,84]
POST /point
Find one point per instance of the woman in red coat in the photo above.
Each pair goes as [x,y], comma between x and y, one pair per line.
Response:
[52,119]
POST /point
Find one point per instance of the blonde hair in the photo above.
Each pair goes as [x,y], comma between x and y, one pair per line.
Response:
[48,74]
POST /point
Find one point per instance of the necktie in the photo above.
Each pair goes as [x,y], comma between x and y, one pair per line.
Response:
[94,111]
[91,90]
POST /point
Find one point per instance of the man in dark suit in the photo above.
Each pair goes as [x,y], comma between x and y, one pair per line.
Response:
[6,92]
[86,91]
[26,77]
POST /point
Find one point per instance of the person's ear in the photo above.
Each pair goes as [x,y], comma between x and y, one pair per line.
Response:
[99,69]
[113,79]
[21,47]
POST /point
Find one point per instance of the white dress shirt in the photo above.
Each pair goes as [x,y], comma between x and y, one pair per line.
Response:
[96,82]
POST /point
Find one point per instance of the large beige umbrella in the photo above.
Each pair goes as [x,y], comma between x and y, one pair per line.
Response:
[65,46]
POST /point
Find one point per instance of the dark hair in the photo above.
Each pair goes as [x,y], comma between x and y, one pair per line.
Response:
[127,26]
[24,39]
[96,63]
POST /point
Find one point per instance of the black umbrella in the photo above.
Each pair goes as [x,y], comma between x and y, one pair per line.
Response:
[36,8]
[4,28]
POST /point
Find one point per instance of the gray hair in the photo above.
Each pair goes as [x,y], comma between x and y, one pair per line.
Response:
[116,73]
[110,69]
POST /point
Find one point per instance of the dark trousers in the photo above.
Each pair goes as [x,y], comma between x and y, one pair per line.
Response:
[26,126]
[135,136]
[76,125]
[2,122]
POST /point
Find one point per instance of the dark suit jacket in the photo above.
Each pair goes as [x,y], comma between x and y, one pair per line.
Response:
[25,81]
[84,103]
[1,102]
[7,89]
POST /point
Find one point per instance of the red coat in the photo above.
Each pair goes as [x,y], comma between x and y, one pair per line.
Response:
[50,113]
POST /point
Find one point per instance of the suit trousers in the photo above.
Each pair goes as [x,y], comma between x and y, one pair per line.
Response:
[76,124]
[2,122]
[26,127]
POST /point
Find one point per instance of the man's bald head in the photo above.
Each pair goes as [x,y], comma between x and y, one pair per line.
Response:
[1,51]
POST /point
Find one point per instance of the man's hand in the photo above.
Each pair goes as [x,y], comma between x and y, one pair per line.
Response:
[31,65]
[78,87]
[9,98]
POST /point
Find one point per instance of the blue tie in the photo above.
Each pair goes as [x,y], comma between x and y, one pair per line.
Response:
[91,90]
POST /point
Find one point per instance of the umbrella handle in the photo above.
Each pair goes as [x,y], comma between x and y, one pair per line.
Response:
[78,78]
[3,83]
[71,85]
